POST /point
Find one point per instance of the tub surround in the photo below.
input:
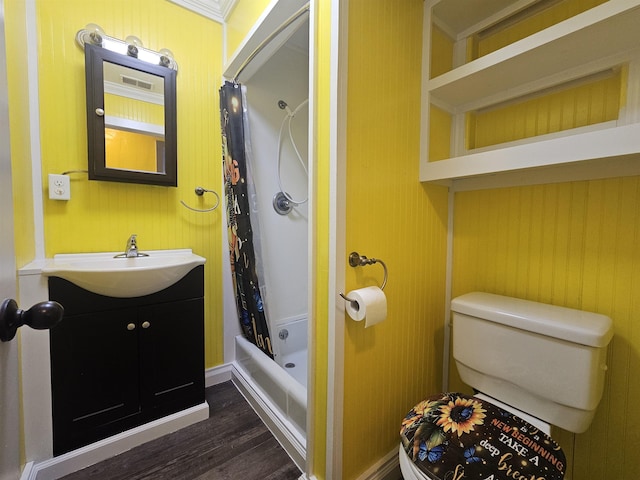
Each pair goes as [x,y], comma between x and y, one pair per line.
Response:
[290,341]
[279,400]
[279,75]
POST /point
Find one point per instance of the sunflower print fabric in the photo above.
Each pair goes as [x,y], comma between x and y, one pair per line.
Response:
[455,436]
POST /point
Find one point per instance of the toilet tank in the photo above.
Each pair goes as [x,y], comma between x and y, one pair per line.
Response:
[545,360]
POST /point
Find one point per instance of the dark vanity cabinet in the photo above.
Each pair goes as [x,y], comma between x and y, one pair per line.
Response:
[117,363]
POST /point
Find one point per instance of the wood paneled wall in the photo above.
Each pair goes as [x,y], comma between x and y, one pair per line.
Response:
[101,215]
[575,245]
[390,215]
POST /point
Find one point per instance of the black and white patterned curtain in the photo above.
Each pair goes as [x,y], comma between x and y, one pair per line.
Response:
[237,176]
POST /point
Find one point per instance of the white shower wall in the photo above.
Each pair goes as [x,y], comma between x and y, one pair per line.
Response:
[277,395]
[284,238]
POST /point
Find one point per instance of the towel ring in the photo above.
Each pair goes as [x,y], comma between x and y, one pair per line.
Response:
[357,260]
[200,192]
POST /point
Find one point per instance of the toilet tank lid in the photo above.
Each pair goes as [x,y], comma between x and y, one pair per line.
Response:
[586,328]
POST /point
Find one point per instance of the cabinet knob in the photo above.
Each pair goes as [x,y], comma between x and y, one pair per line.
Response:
[146,324]
[131,326]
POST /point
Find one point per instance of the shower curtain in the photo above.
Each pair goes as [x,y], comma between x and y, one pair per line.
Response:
[238,192]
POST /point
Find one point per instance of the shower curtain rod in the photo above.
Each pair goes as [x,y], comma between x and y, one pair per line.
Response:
[266,41]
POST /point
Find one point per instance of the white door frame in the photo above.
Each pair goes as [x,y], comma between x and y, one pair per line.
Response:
[9,393]
[337,237]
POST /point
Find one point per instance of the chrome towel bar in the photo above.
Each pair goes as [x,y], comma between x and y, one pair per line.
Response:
[200,192]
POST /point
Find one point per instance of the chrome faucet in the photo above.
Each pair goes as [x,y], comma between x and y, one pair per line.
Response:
[131,250]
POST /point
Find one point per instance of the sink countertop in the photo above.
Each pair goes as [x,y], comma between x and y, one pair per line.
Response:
[104,274]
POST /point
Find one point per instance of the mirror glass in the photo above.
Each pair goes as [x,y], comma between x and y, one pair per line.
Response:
[134,119]
[130,119]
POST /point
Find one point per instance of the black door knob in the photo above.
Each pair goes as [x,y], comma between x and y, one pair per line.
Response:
[41,316]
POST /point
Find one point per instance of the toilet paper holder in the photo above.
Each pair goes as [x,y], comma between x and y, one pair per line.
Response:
[357,260]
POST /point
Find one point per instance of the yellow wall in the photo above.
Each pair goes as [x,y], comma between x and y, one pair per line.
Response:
[440,122]
[101,215]
[131,151]
[15,35]
[575,245]
[133,109]
[391,216]
[589,102]
[556,13]
[321,242]
[571,244]
[442,46]
[240,21]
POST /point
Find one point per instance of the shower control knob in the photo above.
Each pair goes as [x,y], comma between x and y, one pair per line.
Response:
[281,203]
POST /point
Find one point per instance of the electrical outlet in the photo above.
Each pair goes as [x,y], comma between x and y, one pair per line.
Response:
[59,187]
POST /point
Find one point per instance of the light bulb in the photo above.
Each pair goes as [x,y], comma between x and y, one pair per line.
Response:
[93,34]
[133,40]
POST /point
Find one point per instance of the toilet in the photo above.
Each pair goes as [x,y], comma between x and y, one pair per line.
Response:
[532,365]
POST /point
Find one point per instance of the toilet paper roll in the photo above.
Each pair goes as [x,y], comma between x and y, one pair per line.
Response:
[370,304]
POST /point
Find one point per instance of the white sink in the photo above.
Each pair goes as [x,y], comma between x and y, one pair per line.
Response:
[123,277]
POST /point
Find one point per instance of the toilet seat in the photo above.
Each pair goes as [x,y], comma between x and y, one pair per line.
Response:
[409,469]
[453,435]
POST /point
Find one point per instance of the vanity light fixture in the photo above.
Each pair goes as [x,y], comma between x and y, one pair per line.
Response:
[133,43]
[92,34]
[166,57]
[131,46]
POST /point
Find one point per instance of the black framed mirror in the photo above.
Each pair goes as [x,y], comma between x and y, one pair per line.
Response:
[131,119]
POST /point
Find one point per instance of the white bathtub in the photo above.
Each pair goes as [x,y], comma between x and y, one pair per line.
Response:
[279,400]
[290,346]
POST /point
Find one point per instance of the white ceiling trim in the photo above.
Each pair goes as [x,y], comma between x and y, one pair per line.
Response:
[216,10]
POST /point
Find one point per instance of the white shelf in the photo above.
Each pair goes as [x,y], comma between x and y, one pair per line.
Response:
[605,153]
[603,36]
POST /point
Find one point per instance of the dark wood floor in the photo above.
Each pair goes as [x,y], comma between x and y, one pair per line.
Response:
[232,444]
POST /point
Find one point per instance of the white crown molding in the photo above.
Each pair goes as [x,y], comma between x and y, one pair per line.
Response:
[216,10]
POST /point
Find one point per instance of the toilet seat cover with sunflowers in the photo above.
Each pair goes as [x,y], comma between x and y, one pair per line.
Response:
[452,436]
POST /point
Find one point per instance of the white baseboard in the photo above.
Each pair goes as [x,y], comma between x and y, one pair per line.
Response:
[109,447]
[218,374]
[387,468]
[26,471]
[96,452]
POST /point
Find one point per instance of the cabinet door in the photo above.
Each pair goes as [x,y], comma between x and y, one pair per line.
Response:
[94,370]
[172,356]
